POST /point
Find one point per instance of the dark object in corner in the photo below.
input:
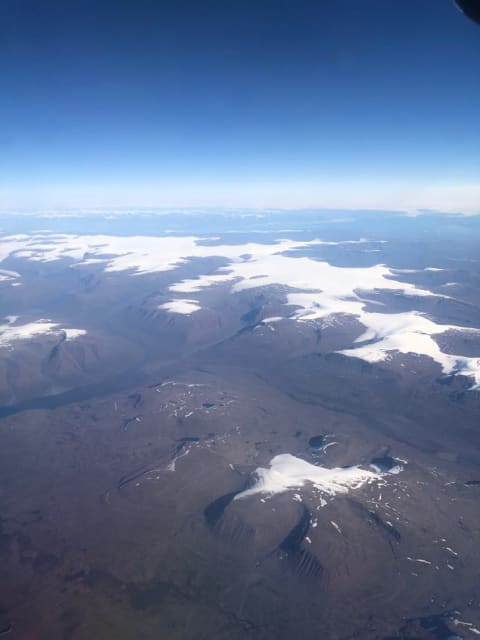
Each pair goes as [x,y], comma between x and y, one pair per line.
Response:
[471,8]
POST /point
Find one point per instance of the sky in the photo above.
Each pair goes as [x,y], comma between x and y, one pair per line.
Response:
[239,103]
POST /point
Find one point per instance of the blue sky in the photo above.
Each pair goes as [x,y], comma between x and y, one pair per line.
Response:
[348,103]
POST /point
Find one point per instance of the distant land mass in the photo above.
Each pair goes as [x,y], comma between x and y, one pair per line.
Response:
[244,424]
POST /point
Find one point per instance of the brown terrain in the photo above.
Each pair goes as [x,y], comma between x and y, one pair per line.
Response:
[121,453]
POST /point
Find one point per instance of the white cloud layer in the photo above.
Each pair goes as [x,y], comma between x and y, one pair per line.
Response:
[388,195]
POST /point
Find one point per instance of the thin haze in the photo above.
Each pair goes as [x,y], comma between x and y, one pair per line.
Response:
[262,103]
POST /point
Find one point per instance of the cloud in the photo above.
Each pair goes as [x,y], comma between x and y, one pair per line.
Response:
[408,196]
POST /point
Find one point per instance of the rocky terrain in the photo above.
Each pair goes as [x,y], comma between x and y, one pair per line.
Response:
[245,435]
